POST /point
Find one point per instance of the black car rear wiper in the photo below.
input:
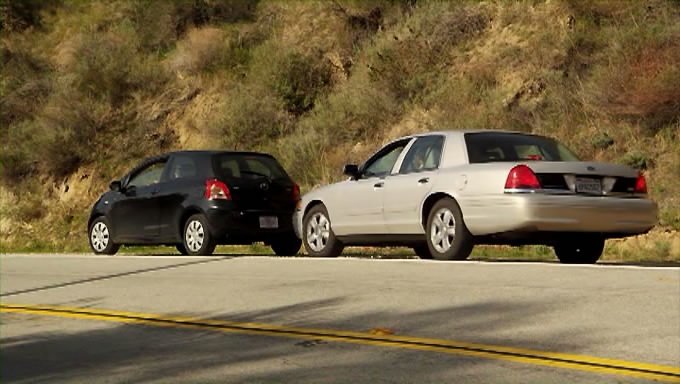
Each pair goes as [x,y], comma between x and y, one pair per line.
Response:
[256,174]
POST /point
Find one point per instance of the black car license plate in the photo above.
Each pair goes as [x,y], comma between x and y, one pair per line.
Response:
[269,222]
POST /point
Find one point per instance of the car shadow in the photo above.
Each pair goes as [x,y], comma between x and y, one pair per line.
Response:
[111,276]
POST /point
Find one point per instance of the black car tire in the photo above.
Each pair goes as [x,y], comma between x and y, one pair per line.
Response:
[317,223]
[181,249]
[584,250]
[99,236]
[196,237]
[444,216]
[422,251]
[286,245]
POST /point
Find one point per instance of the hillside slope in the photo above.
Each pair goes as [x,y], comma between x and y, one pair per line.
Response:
[89,88]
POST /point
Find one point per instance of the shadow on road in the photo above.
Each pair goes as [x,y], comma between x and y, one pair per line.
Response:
[112,276]
[135,353]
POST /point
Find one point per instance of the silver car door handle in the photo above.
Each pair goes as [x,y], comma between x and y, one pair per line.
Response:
[424,180]
[378,184]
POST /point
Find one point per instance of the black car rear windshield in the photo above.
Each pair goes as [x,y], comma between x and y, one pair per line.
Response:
[496,147]
[247,166]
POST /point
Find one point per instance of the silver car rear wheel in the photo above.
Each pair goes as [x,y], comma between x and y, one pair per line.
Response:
[447,236]
[443,230]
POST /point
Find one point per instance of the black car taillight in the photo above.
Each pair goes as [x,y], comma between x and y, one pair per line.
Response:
[216,190]
[296,195]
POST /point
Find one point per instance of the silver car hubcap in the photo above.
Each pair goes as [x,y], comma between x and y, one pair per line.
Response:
[318,231]
[99,236]
[194,235]
[443,230]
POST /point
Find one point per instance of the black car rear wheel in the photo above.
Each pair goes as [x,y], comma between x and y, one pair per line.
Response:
[196,237]
[181,249]
[580,250]
[100,237]
[286,246]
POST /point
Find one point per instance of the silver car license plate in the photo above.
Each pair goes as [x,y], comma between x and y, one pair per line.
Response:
[587,185]
[269,222]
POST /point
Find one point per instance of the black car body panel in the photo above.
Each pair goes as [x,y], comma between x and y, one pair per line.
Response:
[156,213]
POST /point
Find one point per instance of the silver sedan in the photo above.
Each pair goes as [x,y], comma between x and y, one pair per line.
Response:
[443,192]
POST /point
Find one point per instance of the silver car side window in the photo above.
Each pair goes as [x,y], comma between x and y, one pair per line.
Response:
[383,161]
[424,155]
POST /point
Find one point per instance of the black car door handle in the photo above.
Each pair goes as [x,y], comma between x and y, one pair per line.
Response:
[378,185]
[424,180]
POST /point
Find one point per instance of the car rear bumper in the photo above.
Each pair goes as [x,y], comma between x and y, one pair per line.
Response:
[234,226]
[560,213]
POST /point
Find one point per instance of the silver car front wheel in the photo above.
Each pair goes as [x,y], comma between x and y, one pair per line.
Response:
[318,237]
[318,232]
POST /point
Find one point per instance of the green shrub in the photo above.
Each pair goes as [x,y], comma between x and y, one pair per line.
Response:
[301,81]
[18,15]
[251,118]
[637,160]
[602,141]
[407,63]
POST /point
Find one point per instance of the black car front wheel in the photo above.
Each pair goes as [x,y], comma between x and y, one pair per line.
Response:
[100,237]
[196,237]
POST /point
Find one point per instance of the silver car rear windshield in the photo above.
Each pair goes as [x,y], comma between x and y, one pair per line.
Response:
[491,147]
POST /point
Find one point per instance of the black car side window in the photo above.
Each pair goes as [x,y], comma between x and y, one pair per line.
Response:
[147,176]
[182,167]
[424,155]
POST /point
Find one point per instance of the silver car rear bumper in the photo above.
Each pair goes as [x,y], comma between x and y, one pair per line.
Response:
[560,213]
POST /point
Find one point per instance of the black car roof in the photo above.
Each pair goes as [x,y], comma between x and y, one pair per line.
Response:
[216,152]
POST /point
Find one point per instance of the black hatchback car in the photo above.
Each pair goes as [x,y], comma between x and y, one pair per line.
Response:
[196,200]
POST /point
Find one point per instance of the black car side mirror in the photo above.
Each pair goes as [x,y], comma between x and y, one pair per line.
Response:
[131,190]
[351,170]
[115,186]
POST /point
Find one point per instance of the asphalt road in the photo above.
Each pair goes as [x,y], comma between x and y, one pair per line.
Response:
[262,319]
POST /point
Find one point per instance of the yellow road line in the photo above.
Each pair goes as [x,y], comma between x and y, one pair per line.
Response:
[519,355]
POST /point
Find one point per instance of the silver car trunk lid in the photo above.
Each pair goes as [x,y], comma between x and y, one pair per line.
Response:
[584,168]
